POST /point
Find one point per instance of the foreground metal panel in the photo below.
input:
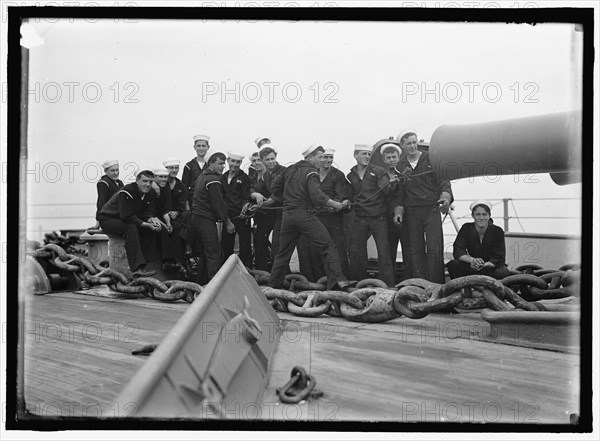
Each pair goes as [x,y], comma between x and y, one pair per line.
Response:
[211,358]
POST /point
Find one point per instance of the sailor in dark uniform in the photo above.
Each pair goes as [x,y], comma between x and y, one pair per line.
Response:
[179,214]
[208,207]
[302,192]
[236,186]
[264,220]
[259,141]
[335,185]
[130,214]
[390,153]
[195,166]
[370,187]
[108,185]
[191,171]
[427,194]
[170,244]
[274,180]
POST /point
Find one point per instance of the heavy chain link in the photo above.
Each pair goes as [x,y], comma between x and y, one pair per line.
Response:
[90,274]
[372,302]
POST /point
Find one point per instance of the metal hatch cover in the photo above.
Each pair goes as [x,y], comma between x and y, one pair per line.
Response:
[216,356]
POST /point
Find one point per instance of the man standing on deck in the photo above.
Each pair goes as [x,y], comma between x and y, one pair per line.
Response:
[129,214]
[208,207]
[179,214]
[236,185]
[259,141]
[426,194]
[301,194]
[274,181]
[370,187]
[108,185]
[335,185]
[195,166]
[390,154]
[263,220]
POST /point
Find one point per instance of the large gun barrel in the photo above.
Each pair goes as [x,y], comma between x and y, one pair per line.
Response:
[548,143]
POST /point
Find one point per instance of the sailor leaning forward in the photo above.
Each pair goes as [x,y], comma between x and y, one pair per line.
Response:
[130,214]
[301,194]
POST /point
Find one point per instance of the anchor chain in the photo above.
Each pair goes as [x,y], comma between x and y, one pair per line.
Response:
[90,274]
[371,301]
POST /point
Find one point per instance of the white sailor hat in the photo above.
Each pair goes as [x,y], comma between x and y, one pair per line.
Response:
[201,138]
[362,147]
[306,153]
[404,132]
[252,155]
[236,156]
[264,146]
[480,202]
[169,162]
[329,152]
[389,144]
[161,171]
[110,163]
[260,138]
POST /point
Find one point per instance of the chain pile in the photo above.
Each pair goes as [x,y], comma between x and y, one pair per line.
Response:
[373,302]
[89,273]
[370,301]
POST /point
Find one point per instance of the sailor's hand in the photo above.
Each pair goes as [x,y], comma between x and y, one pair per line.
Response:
[444,205]
[169,228]
[151,225]
[398,220]
[337,206]
[486,265]
[476,263]
[173,214]
[230,227]
[259,198]
[394,178]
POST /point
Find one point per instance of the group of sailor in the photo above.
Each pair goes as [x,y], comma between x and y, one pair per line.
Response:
[310,206]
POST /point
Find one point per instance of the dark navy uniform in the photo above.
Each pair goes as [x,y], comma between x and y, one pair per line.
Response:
[237,194]
[170,244]
[208,207]
[491,249]
[301,193]
[371,208]
[264,221]
[191,173]
[123,216]
[106,187]
[422,218]
[395,234]
[275,182]
[336,187]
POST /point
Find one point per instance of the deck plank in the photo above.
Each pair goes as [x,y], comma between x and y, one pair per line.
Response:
[402,370]
[367,374]
[78,350]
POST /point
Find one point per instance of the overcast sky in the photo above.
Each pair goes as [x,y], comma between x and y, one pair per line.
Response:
[140,91]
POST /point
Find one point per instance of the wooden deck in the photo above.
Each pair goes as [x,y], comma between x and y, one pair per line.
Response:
[441,368]
[78,350]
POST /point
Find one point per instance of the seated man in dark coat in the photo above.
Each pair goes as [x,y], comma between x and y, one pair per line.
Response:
[479,247]
[130,214]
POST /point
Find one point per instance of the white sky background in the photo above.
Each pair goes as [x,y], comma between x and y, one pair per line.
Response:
[359,82]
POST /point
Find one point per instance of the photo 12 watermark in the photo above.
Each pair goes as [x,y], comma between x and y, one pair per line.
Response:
[270,92]
[454,92]
[74,92]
